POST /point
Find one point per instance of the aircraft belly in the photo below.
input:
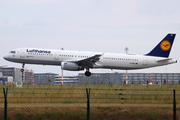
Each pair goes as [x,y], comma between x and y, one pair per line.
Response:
[45,62]
[121,65]
[36,61]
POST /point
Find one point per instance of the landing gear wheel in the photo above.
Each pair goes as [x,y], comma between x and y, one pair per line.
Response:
[87,73]
[22,70]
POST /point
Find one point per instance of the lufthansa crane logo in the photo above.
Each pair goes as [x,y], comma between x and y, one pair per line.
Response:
[165,45]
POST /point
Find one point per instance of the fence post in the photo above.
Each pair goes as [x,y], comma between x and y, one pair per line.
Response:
[5,103]
[88,103]
[174,106]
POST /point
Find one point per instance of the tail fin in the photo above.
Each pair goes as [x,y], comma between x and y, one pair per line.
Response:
[164,47]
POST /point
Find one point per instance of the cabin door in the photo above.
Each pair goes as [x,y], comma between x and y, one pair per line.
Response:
[22,53]
[56,56]
[145,61]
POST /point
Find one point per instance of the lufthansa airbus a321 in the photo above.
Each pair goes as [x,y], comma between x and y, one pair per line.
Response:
[80,60]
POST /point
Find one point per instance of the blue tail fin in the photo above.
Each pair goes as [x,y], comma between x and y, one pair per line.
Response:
[164,47]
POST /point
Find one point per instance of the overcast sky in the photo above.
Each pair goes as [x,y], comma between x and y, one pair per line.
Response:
[89,25]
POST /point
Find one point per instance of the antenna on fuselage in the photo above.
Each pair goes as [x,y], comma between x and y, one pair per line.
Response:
[126,49]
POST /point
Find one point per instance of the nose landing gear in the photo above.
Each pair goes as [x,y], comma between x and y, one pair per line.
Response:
[22,70]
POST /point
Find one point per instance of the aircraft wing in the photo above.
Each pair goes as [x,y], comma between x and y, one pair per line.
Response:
[89,62]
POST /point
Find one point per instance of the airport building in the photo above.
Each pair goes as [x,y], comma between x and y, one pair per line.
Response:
[11,74]
[29,76]
[66,80]
[44,78]
[132,78]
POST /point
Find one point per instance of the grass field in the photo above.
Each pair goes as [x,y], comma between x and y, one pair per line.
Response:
[130,102]
[98,94]
[96,113]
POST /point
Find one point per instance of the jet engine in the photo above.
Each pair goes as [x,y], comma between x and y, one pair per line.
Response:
[71,66]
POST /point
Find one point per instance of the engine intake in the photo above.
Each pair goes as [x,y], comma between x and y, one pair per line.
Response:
[71,66]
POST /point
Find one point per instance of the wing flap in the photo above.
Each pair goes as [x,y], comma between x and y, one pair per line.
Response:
[88,62]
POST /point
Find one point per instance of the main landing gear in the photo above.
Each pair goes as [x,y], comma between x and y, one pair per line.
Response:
[87,73]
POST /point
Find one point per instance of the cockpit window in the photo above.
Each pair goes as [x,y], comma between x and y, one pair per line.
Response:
[12,52]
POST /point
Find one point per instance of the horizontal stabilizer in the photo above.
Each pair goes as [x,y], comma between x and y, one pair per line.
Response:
[162,60]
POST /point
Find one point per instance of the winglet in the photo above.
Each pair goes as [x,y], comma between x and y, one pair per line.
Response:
[164,47]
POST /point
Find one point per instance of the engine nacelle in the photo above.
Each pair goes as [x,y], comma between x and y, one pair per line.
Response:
[70,66]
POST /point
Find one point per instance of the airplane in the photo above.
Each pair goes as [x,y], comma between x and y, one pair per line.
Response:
[80,60]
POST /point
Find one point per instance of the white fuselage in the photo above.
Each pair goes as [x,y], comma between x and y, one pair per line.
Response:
[107,60]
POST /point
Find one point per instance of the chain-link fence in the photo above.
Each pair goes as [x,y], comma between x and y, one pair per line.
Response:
[70,102]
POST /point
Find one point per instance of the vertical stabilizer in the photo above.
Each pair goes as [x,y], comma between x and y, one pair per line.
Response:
[164,47]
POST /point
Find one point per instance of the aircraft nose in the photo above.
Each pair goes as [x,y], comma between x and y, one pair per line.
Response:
[6,56]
